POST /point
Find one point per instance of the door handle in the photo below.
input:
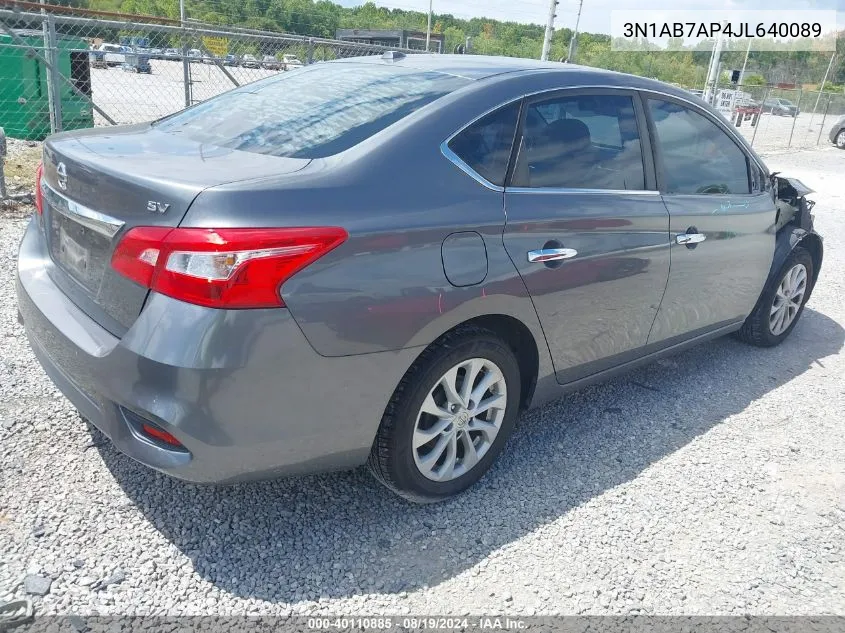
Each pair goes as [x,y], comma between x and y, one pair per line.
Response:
[551,254]
[690,238]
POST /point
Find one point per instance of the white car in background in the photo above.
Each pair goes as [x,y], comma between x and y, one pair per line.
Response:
[108,55]
[290,62]
[250,61]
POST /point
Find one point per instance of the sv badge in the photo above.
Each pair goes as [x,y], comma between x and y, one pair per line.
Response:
[157,207]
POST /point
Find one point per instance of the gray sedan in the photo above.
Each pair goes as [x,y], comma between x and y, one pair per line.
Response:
[385,260]
[837,133]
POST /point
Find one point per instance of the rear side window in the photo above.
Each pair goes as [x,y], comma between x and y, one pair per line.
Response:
[581,142]
[486,145]
[312,113]
[698,157]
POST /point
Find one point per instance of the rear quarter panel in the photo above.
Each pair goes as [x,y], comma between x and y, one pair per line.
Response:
[399,198]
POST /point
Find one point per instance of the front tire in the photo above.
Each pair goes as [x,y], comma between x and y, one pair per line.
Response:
[840,139]
[781,303]
[449,417]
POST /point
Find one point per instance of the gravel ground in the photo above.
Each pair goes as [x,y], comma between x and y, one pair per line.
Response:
[709,483]
[19,171]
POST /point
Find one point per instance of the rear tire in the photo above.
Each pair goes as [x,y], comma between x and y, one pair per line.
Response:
[781,303]
[840,139]
[424,456]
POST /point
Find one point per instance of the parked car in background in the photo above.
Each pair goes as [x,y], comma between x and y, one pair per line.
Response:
[137,63]
[780,107]
[748,108]
[231,60]
[291,62]
[108,55]
[837,133]
[250,61]
[223,308]
[271,63]
[195,55]
[172,53]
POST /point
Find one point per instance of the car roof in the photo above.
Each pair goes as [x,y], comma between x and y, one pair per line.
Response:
[468,66]
[476,67]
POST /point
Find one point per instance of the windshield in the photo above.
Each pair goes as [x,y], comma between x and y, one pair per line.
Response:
[314,112]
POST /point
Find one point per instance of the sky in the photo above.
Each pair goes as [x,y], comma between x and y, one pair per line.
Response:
[595,16]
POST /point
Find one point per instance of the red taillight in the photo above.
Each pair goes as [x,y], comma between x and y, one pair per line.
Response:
[221,268]
[138,253]
[39,197]
[160,434]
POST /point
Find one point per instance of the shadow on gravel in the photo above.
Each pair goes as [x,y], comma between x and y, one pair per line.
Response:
[341,534]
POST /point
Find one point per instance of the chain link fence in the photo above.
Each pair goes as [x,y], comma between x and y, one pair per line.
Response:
[777,119]
[68,69]
[62,72]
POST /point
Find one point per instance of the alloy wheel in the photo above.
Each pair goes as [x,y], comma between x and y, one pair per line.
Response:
[840,140]
[788,299]
[459,419]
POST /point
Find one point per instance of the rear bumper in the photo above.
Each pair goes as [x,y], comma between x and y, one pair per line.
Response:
[242,390]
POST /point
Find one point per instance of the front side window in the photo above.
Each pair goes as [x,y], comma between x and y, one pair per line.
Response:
[581,142]
[485,146]
[312,113]
[698,157]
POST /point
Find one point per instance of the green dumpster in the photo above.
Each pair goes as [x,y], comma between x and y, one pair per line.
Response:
[24,109]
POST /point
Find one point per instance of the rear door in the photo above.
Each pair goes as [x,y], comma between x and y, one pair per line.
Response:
[586,227]
[722,217]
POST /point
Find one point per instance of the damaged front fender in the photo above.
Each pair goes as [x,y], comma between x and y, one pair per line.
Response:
[794,223]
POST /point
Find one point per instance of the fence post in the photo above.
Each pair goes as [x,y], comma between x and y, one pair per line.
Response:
[309,54]
[757,127]
[824,117]
[54,93]
[186,69]
[45,29]
[794,120]
[2,164]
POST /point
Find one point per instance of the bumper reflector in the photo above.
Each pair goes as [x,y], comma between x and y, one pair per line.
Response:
[160,434]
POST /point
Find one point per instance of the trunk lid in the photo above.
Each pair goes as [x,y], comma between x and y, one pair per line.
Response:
[99,183]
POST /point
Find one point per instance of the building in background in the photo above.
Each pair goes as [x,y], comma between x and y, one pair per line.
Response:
[398,38]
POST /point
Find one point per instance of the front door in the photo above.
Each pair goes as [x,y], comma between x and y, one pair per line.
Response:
[722,218]
[586,228]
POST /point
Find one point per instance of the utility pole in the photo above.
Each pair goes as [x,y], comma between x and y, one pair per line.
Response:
[573,43]
[745,63]
[713,71]
[550,27]
[428,29]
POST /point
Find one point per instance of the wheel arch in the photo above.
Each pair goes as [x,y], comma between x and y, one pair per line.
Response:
[789,240]
[813,243]
[517,336]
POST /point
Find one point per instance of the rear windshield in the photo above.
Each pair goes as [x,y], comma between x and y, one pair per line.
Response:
[314,112]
